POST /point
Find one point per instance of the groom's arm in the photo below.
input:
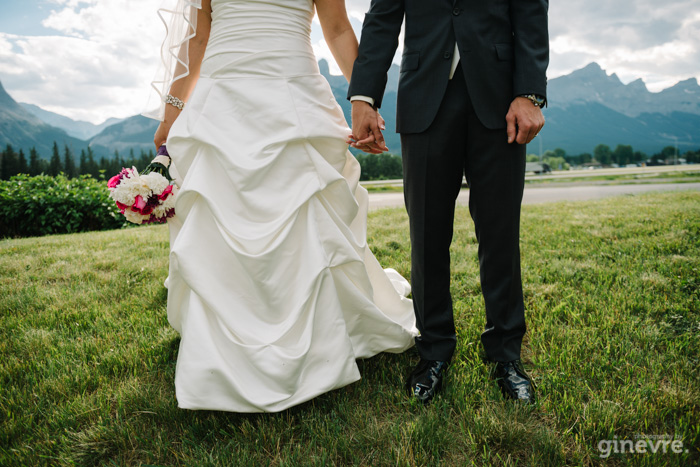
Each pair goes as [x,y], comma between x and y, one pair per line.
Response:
[380,38]
[531,46]
[378,43]
[531,57]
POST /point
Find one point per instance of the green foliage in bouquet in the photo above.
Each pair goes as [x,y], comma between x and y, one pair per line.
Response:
[157,165]
[42,205]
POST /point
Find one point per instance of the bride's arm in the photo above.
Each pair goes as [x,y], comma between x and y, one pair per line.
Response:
[182,88]
[338,33]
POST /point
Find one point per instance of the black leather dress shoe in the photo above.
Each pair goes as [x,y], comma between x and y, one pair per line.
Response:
[426,379]
[514,382]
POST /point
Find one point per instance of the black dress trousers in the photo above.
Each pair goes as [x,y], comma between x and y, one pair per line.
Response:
[434,161]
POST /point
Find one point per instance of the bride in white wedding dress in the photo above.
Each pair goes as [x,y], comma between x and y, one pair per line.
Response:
[271,283]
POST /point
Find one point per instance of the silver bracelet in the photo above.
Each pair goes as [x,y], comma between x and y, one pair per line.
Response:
[174,101]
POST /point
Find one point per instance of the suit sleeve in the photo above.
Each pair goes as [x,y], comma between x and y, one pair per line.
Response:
[380,38]
[531,46]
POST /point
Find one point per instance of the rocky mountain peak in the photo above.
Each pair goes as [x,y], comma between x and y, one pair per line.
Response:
[593,84]
[689,86]
[638,85]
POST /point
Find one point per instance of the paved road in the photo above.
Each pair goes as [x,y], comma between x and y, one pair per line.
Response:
[642,172]
[545,194]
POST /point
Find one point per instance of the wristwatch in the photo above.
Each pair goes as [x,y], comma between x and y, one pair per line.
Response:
[538,101]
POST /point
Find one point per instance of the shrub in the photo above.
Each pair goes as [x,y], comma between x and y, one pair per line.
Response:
[42,205]
[379,166]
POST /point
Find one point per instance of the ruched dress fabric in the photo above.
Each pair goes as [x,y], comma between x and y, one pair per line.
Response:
[271,284]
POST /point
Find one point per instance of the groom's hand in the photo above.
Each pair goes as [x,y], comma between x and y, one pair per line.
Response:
[367,126]
[524,121]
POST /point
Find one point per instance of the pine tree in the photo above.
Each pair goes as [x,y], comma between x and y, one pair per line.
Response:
[55,166]
[22,167]
[83,169]
[116,164]
[69,163]
[9,163]
[146,157]
[35,164]
[105,168]
[93,168]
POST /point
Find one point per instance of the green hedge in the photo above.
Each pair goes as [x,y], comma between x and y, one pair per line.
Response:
[43,205]
[380,166]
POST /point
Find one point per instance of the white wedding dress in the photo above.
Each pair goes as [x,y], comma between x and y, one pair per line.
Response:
[271,283]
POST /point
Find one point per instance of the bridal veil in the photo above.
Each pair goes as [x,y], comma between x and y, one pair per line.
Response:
[180,20]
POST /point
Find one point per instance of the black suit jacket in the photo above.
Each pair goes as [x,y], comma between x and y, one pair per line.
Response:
[503,45]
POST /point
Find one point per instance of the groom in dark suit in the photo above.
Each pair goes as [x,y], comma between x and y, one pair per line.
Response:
[470,95]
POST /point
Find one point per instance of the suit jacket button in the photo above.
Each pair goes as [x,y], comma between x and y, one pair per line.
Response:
[456,11]
[447,55]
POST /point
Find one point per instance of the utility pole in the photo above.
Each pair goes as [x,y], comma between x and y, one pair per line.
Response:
[675,162]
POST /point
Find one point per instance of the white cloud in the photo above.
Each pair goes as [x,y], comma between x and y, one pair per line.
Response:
[103,56]
[633,38]
[99,67]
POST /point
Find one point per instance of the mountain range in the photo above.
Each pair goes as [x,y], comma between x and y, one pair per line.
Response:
[24,130]
[588,107]
[76,128]
[585,108]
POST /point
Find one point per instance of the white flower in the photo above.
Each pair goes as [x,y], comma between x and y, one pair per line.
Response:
[155,181]
[134,217]
[160,211]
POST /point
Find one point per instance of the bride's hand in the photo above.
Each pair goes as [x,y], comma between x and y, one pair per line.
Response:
[380,121]
[161,135]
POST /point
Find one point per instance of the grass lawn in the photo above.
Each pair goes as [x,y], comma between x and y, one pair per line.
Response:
[612,291]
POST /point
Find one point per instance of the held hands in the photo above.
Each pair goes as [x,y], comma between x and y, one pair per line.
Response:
[367,126]
[524,121]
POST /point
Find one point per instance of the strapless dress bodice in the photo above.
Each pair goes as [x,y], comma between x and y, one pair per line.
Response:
[260,38]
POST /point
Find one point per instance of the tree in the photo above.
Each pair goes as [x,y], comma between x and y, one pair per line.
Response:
[623,154]
[55,166]
[532,158]
[93,168]
[669,154]
[639,156]
[603,154]
[692,157]
[578,160]
[69,163]
[83,167]
[22,167]
[556,163]
[9,164]
[35,163]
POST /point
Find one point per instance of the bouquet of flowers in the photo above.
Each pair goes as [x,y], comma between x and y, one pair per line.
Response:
[148,197]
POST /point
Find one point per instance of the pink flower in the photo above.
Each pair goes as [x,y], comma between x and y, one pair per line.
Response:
[165,193]
[122,207]
[114,181]
[139,204]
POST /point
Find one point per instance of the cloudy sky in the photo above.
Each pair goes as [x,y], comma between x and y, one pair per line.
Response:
[94,59]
